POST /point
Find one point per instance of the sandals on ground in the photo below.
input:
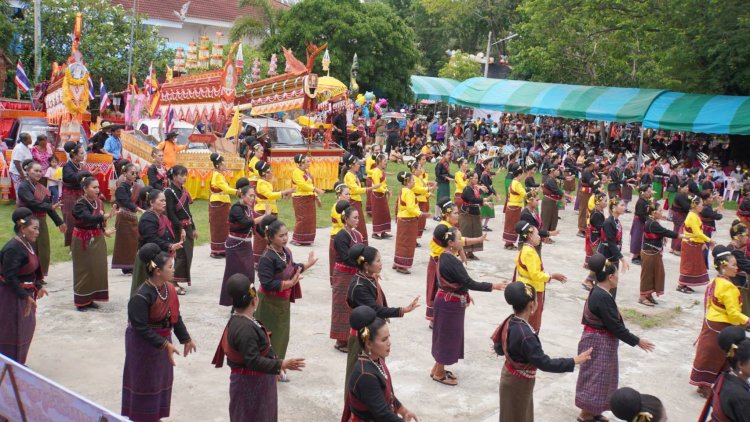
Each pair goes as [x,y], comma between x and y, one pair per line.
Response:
[651,299]
[341,348]
[685,289]
[644,301]
[445,380]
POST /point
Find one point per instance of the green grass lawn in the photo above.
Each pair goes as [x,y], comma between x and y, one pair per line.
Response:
[286,211]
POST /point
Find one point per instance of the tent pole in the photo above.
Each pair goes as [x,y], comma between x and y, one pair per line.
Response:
[640,149]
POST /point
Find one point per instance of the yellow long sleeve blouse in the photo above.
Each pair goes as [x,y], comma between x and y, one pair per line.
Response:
[336,223]
[355,188]
[303,182]
[379,177]
[265,197]
[592,203]
[220,189]
[369,165]
[420,189]
[408,207]
[435,249]
[461,182]
[724,303]
[694,229]
[529,269]
[516,194]
[252,174]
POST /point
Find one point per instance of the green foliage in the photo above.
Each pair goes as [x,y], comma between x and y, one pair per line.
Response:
[383,42]
[252,27]
[104,40]
[460,67]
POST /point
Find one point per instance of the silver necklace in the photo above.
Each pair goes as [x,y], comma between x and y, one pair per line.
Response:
[377,365]
[255,321]
[158,293]
[95,205]
[277,253]
[26,245]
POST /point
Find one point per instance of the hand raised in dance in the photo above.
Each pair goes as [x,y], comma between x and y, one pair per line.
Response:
[311,260]
[189,348]
[559,277]
[171,351]
[412,306]
[294,364]
[646,345]
[583,357]
[175,246]
[499,286]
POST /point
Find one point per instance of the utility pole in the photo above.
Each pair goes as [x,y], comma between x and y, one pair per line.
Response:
[37,39]
[130,46]
[487,55]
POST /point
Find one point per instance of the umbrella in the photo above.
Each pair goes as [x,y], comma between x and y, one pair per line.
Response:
[393,115]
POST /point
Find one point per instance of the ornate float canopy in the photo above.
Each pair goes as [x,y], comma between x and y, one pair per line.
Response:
[292,90]
[209,94]
[67,94]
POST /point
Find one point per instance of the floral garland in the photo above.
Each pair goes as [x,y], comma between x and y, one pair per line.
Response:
[75,105]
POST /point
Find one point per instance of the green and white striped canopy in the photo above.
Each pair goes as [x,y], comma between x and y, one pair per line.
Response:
[719,114]
[429,88]
[560,100]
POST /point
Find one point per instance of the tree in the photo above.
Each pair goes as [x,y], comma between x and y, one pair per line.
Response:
[104,40]
[256,27]
[460,67]
[383,42]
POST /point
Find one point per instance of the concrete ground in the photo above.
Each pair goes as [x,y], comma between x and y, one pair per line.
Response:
[85,351]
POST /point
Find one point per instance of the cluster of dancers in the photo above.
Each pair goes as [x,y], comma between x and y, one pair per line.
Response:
[157,249]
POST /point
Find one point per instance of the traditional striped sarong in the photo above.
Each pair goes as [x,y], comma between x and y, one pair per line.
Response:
[597,379]
[126,240]
[458,200]
[147,378]
[239,261]
[425,208]
[253,398]
[90,283]
[218,221]
[432,287]
[43,244]
[471,226]
[17,330]
[406,242]
[368,205]
[678,220]
[69,198]
[636,235]
[709,360]
[381,213]
[512,216]
[693,270]
[362,225]
[535,320]
[340,310]
[183,258]
[448,331]
[275,311]
[516,397]
[658,190]
[569,185]
[304,219]
[550,212]
[583,211]
[652,273]
[259,242]
[627,193]
[331,259]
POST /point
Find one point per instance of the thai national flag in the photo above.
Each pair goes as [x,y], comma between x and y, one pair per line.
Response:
[21,80]
[104,100]
[170,119]
[91,88]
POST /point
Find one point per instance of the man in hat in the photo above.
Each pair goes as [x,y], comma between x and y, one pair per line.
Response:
[113,145]
[170,148]
[96,143]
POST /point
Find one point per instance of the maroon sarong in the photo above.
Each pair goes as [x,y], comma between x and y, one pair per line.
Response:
[16,330]
[597,379]
[340,310]
[425,208]
[636,236]
[369,194]
[218,217]
[512,216]
[693,270]
[448,329]
[69,199]
[710,360]
[678,219]
[652,273]
[304,219]
[381,213]
[253,397]
[147,378]
[126,240]
[239,252]
[362,225]
[406,242]
[432,287]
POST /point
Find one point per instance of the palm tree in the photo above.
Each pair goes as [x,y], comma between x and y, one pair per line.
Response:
[256,27]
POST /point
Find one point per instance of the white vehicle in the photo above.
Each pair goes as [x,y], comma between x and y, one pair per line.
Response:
[280,134]
[153,131]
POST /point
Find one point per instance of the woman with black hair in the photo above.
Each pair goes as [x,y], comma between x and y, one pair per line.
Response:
[652,265]
[342,203]
[71,190]
[487,211]
[365,290]
[530,269]
[256,154]
[304,201]
[632,406]
[127,198]
[178,212]
[218,206]
[265,203]
[469,219]
[369,388]
[461,182]
[518,341]
[603,329]
[407,225]
[154,227]
[530,215]
[279,278]
[552,195]
[693,270]
[709,216]
[514,203]
[343,271]
[680,209]
[88,247]
[153,312]
[611,240]
[451,302]
[254,365]
[239,244]
[32,194]
[739,235]
[351,164]
[381,212]
[22,284]
[723,309]
[594,231]
[636,228]
[157,173]
[422,190]
[730,400]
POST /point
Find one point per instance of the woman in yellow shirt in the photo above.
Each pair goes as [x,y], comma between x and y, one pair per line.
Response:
[460,178]
[406,226]
[693,271]
[530,269]
[723,308]
[372,152]
[255,155]
[342,201]
[514,204]
[381,213]
[265,197]
[351,163]
[304,200]
[218,206]
[422,189]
